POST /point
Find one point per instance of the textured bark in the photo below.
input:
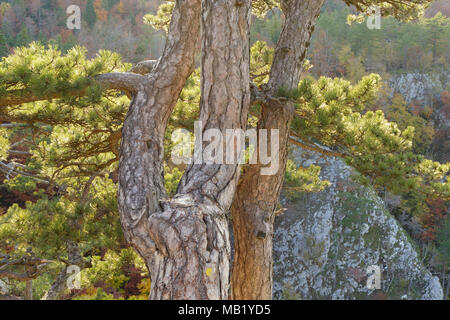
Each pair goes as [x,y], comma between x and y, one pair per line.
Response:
[58,287]
[253,216]
[184,240]
[29,290]
[141,181]
[31,266]
[254,205]
[144,67]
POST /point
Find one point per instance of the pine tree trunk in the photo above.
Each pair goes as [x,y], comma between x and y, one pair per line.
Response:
[253,213]
[59,286]
[256,199]
[185,240]
[29,290]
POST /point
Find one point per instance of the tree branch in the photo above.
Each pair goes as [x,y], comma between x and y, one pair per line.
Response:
[265,97]
[20,96]
[9,170]
[144,67]
[125,81]
[18,276]
[32,264]
[145,125]
[316,148]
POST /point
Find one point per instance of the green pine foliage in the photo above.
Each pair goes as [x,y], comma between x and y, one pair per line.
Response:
[90,16]
[443,240]
[438,30]
[23,37]
[347,50]
[3,45]
[161,20]
[423,129]
[332,113]
[299,180]
[73,143]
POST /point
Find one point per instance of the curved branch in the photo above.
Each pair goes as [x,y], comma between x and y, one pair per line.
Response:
[18,276]
[124,81]
[144,67]
[264,96]
[313,147]
[31,263]
[141,182]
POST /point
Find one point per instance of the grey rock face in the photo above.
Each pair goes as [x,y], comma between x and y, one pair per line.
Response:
[419,86]
[325,242]
[426,89]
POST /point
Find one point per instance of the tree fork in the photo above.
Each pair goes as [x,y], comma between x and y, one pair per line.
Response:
[185,240]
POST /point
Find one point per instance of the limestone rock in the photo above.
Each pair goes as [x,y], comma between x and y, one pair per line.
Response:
[325,243]
[419,86]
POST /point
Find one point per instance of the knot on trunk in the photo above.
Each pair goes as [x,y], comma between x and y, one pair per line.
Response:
[196,237]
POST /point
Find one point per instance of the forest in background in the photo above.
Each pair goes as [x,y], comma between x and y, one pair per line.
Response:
[337,49]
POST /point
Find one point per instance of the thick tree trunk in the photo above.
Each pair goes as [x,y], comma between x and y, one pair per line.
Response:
[254,205]
[184,240]
[141,181]
[253,216]
[29,290]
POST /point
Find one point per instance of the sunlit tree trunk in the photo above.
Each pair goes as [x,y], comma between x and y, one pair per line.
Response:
[254,205]
[185,240]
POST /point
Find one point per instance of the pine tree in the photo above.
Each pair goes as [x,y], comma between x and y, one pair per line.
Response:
[23,37]
[438,30]
[90,16]
[49,4]
[77,119]
[108,4]
[3,45]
